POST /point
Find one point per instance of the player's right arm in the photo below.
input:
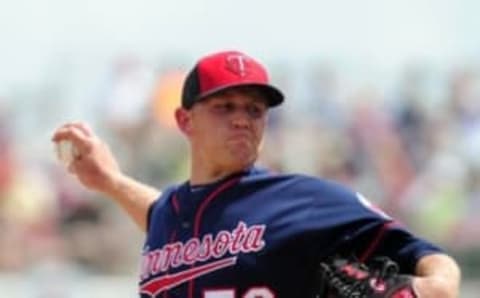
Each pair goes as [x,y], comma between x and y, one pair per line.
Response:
[96,168]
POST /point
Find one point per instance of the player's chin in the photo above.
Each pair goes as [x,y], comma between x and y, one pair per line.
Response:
[243,153]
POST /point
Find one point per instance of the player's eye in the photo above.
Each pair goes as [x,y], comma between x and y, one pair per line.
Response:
[255,111]
[224,108]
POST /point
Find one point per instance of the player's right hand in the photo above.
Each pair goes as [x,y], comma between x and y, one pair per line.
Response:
[93,164]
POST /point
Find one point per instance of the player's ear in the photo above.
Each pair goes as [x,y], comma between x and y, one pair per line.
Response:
[183,118]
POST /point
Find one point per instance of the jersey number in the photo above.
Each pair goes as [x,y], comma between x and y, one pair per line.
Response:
[256,292]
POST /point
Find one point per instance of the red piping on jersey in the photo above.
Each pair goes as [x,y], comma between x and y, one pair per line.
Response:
[175,205]
[198,216]
[376,241]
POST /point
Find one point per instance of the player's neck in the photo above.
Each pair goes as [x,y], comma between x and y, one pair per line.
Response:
[205,174]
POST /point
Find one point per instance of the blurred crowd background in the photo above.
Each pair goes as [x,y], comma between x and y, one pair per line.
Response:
[402,130]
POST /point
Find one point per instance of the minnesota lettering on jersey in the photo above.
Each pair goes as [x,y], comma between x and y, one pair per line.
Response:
[242,239]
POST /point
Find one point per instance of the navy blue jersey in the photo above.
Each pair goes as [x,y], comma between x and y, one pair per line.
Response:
[255,234]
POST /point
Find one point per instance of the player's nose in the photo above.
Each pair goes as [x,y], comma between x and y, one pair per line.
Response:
[241,118]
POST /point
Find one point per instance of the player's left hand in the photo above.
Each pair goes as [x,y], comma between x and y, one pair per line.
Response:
[348,278]
[431,287]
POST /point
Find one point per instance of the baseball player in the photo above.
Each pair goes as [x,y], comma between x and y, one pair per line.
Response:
[234,230]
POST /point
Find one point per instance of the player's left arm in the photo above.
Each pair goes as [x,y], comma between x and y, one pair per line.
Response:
[437,275]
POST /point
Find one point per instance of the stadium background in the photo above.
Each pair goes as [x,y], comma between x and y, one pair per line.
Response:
[381,95]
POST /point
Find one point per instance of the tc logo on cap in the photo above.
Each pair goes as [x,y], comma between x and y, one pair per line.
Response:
[224,70]
[237,64]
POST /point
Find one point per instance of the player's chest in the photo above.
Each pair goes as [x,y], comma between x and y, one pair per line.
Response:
[231,241]
[227,226]
[235,254]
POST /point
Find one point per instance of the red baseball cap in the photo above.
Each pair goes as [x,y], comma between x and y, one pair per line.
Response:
[220,71]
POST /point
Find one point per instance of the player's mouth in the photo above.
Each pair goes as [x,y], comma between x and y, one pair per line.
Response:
[245,141]
[241,136]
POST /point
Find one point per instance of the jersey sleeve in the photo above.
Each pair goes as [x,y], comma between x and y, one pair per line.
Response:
[364,230]
[402,246]
[161,200]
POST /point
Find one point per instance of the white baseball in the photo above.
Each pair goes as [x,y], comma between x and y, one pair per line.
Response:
[66,152]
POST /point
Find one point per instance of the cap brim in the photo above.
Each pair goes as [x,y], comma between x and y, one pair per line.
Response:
[273,95]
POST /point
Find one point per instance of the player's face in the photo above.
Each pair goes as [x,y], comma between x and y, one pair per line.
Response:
[227,128]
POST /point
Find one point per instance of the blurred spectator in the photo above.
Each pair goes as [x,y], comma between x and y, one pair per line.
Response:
[376,136]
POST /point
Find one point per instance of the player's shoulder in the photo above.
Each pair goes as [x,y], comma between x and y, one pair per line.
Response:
[164,197]
[324,188]
[299,183]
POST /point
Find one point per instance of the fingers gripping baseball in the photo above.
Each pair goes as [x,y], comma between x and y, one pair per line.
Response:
[86,156]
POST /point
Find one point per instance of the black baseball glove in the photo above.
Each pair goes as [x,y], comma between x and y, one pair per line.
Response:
[347,278]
